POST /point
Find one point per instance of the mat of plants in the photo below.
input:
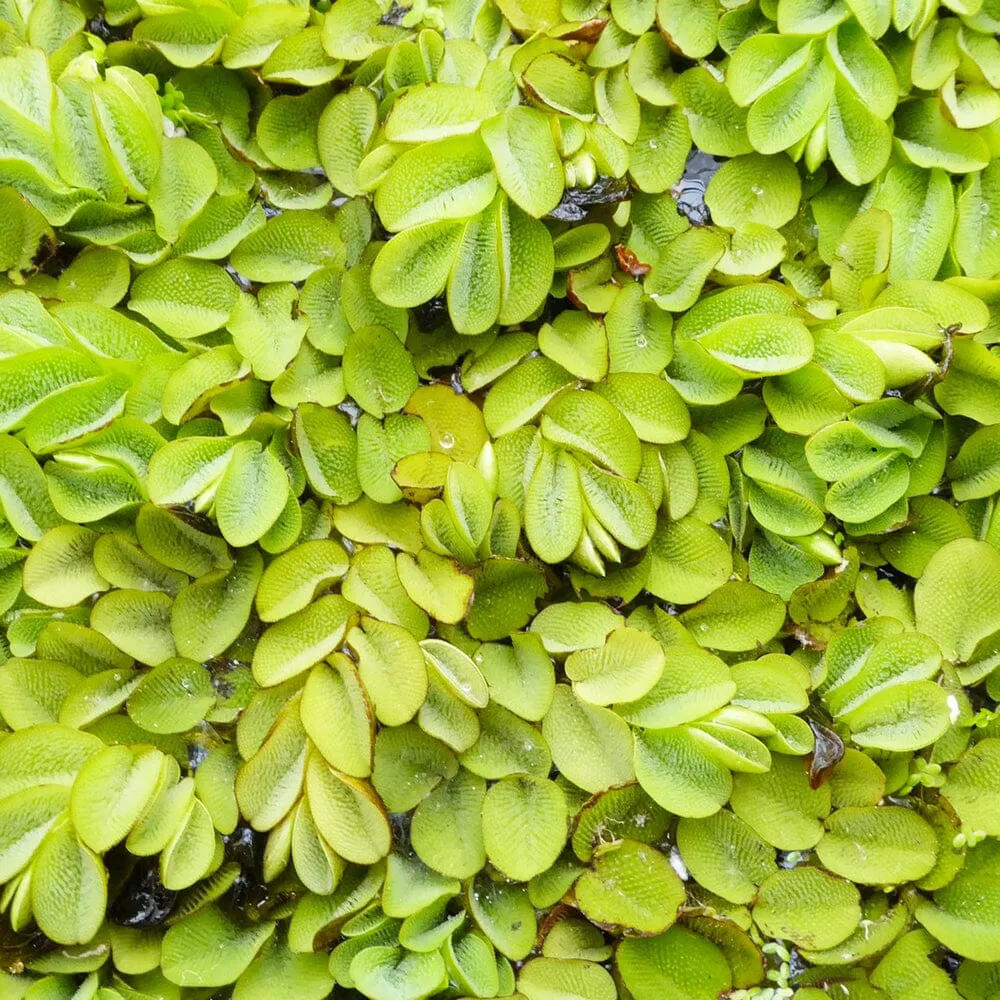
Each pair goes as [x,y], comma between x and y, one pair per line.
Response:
[498,498]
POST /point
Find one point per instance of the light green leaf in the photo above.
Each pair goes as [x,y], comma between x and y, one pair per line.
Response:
[524,825]
[525,158]
[678,775]
[184,297]
[208,949]
[630,885]
[678,964]
[807,906]
[878,845]
[957,600]
[68,888]
[450,179]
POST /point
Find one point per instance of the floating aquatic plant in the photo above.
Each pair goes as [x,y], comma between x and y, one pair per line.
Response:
[498,498]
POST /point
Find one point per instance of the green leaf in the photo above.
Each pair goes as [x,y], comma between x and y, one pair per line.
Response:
[345,130]
[457,670]
[909,967]
[447,827]
[737,616]
[564,979]
[760,345]
[347,813]
[690,560]
[187,38]
[474,284]
[295,643]
[879,928]
[59,570]
[589,423]
[414,265]
[408,765]
[354,30]
[265,330]
[628,809]
[524,825]
[99,275]
[967,390]
[692,29]
[622,507]
[956,598]
[970,783]
[922,206]
[327,446]
[638,333]
[47,754]
[974,468]
[525,158]
[289,247]
[562,84]
[725,855]
[521,394]
[678,963]
[251,494]
[521,677]
[974,245]
[385,972]
[903,717]
[173,697]
[718,125]
[656,158]
[962,917]
[437,584]
[208,949]
[291,580]
[24,495]
[693,683]
[436,111]
[630,885]
[678,775]
[553,508]
[788,84]
[591,746]
[51,369]
[754,188]
[780,805]
[580,244]
[392,669]
[187,178]
[858,138]
[450,179]
[184,298]
[807,906]
[258,34]
[506,745]
[286,130]
[307,975]
[124,564]
[24,823]
[878,845]
[930,140]
[624,669]
[128,112]
[113,789]
[378,372]
[68,888]
[506,916]
[410,886]
[209,614]
[373,584]
[567,626]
